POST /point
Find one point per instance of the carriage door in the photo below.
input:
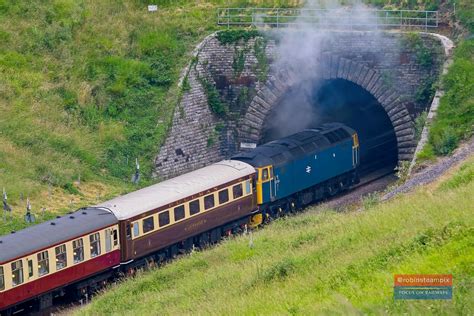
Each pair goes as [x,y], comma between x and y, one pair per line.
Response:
[273,184]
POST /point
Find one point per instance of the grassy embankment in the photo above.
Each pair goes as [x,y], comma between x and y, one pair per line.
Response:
[321,262]
[455,118]
[85,88]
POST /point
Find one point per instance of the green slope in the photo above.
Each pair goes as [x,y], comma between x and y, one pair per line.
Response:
[85,88]
[321,262]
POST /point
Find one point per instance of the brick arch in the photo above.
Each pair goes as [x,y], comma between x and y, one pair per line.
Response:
[332,67]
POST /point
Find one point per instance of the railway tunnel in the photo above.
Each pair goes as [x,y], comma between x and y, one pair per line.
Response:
[366,81]
[313,103]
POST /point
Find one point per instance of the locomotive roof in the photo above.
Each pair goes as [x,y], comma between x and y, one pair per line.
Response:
[172,190]
[279,152]
[56,231]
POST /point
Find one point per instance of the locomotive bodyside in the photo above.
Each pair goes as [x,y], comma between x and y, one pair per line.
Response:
[293,164]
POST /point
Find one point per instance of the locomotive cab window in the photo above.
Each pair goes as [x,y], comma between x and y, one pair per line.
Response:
[78,250]
[266,174]
[148,224]
[43,263]
[95,244]
[223,196]
[179,213]
[209,201]
[61,257]
[237,191]
[164,218]
[17,273]
[194,207]
[2,279]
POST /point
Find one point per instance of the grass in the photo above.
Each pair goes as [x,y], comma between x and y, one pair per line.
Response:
[320,262]
[455,118]
[85,88]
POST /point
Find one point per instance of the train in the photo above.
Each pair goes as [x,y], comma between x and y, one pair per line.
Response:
[76,254]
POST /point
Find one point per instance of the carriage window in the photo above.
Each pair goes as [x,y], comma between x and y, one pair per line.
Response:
[179,213]
[115,236]
[108,240]
[2,280]
[148,224]
[30,268]
[78,250]
[194,207]
[209,201]
[61,257]
[17,273]
[43,263]
[164,218]
[95,244]
[128,231]
[247,187]
[223,196]
[136,230]
[265,174]
[237,191]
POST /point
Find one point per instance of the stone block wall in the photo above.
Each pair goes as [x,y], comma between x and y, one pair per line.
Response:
[386,65]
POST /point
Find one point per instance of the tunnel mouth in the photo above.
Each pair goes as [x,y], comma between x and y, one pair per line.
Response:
[312,103]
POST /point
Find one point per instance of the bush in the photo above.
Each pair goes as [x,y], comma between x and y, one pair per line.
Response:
[70,188]
[446,142]
[213,99]
[233,36]
[465,13]
[427,153]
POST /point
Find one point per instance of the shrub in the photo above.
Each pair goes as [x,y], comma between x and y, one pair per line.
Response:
[70,188]
[427,153]
[370,200]
[446,142]
[425,92]
[233,36]
[213,99]
[279,270]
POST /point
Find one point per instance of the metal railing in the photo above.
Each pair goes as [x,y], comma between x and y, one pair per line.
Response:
[354,19]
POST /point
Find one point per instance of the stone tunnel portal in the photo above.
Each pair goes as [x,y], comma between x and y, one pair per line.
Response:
[313,103]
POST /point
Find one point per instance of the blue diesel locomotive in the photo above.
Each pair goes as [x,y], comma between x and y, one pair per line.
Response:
[299,169]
